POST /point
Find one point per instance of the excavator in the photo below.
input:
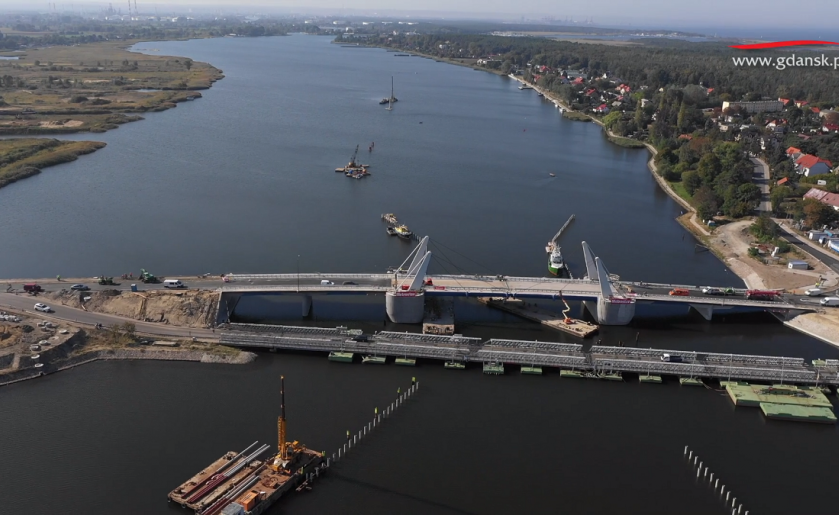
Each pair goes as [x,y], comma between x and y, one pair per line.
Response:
[147,277]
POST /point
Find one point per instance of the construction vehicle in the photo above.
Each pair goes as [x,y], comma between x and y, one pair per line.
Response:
[289,452]
[107,281]
[147,277]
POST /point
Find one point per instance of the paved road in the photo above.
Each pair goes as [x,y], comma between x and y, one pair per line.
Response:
[822,255]
[761,178]
[25,302]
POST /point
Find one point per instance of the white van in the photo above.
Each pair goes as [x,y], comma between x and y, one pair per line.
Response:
[326,283]
[173,283]
[813,292]
[830,301]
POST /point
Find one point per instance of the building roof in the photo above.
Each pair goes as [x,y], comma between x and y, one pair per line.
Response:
[825,197]
[809,160]
[815,110]
[782,181]
[793,150]
[784,100]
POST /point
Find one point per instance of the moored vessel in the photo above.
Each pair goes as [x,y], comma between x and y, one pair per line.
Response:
[555,261]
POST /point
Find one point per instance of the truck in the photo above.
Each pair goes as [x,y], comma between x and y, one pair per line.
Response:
[148,277]
[671,359]
[763,295]
[32,288]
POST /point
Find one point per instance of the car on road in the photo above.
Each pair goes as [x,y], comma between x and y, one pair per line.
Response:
[830,301]
[361,338]
[43,307]
[79,287]
[350,283]
[325,282]
[671,359]
[710,290]
[680,292]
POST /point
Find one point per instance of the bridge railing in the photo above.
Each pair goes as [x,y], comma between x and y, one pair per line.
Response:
[636,352]
[700,370]
[527,344]
[304,287]
[532,358]
[316,275]
[427,338]
[717,301]
[281,330]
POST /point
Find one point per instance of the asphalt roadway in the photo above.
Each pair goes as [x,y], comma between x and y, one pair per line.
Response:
[25,302]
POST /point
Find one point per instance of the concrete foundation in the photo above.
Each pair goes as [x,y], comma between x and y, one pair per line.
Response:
[405,307]
[226,306]
[306,307]
[608,312]
[706,310]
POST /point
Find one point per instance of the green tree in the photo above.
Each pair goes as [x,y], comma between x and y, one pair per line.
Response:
[691,181]
[817,214]
[709,168]
[706,202]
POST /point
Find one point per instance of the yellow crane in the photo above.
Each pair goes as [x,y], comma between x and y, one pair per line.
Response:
[286,451]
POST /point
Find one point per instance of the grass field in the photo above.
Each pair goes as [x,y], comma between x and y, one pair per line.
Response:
[93,87]
[21,158]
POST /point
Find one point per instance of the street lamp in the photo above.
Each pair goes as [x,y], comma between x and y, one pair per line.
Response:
[298,273]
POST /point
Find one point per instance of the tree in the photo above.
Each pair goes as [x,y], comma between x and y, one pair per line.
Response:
[817,214]
[709,168]
[706,203]
[777,197]
[188,64]
[691,181]
[764,228]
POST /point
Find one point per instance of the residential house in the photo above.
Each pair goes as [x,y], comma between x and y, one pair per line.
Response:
[577,80]
[830,127]
[645,102]
[825,197]
[602,108]
[760,106]
[794,153]
[810,165]
[784,101]
[801,103]
[624,89]
[590,92]
[783,181]
[815,110]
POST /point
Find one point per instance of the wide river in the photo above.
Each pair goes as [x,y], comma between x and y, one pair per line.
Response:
[241,181]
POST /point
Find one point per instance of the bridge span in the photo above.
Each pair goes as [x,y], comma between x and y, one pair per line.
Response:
[610,301]
[596,361]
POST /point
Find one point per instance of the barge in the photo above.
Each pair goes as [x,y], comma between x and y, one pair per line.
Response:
[243,484]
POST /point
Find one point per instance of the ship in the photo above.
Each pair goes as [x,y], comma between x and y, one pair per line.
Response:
[403,232]
[555,261]
[242,484]
[525,86]
[353,167]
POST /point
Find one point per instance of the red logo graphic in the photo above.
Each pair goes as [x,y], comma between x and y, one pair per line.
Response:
[780,44]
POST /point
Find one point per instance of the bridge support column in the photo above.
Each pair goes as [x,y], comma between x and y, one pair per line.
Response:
[306,306]
[405,307]
[611,312]
[706,310]
[226,306]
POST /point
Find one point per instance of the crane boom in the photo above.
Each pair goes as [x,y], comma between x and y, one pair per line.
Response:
[281,444]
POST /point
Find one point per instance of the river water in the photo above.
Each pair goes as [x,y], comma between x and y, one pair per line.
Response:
[242,180]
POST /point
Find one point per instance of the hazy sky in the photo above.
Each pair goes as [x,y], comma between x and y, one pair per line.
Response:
[748,14]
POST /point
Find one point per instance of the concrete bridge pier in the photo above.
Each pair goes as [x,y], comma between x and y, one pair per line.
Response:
[405,307]
[226,306]
[611,311]
[306,306]
[706,310]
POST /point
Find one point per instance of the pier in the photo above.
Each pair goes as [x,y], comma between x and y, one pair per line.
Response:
[598,361]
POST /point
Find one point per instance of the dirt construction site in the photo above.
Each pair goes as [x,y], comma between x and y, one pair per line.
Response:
[187,308]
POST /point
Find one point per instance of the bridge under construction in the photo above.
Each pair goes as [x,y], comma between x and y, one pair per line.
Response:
[597,361]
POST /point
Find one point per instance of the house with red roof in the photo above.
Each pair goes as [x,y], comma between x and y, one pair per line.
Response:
[591,91]
[578,80]
[794,153]
[830,127]
[801,103]
[784,101]
[810,165]
[623,88]
[602,108]
[785,180]
[815,110]
[825,197]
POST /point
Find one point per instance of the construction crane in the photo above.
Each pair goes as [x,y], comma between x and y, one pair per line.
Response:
[281,444]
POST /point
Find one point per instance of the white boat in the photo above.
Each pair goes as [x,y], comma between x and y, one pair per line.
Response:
[525,86]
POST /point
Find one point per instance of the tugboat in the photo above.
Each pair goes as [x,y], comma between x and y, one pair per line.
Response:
[555,261]
[403,232]
[352,166]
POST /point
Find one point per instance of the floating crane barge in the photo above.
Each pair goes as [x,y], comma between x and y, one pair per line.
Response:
[241,483]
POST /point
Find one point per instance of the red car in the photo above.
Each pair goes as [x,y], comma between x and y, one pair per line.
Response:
[681,292]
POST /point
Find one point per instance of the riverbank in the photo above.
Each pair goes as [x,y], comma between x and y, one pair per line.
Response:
[37,345]
[22,158]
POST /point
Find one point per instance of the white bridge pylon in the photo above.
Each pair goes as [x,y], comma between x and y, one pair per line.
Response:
[415,276]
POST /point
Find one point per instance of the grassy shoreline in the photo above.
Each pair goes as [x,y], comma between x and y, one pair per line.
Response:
[22,158]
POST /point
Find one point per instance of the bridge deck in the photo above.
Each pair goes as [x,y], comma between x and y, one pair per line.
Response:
[599,359]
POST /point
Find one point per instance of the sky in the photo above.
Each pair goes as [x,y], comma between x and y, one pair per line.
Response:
[724,15]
